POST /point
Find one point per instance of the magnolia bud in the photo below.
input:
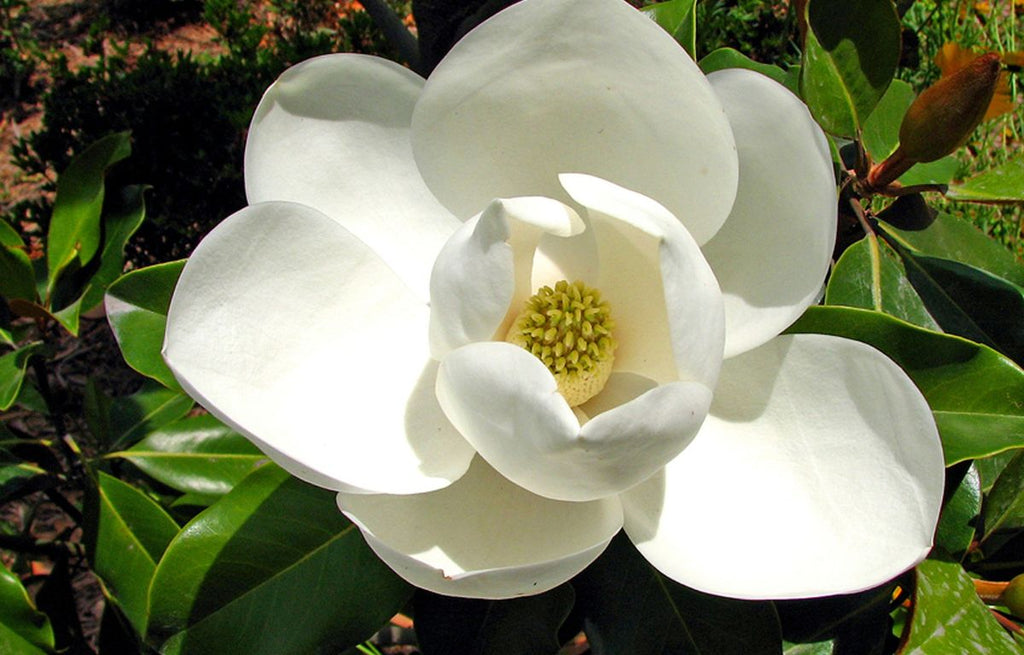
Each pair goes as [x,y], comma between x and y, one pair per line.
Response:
[1013,596]
[944,115]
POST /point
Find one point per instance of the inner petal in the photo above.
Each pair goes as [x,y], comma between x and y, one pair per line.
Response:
[505,402]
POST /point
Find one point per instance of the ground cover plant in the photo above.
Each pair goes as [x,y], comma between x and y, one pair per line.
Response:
[869,500]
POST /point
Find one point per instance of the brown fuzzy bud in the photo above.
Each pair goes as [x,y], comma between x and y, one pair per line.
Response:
[944,115]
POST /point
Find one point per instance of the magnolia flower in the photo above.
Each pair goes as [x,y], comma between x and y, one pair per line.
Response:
[510,310]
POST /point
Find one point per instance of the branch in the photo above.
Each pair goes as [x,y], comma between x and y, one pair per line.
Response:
[394,31]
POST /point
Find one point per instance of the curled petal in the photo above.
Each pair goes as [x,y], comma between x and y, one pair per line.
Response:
[664,297]
[484,537]
[541,89]
[772,255]
[290,329]
[485,268]
[819,471]
[333,133]
[506,403]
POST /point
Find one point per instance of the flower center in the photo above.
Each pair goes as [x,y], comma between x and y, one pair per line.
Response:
[569,328]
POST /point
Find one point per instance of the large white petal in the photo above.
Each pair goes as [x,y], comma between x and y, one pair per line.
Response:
[772,255]
[333,133]
[574,86]
[486,268]
[818,472]
[484,537]
[664,298]
[506,403]
[293,331]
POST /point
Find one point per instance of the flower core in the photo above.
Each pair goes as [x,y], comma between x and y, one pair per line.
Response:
[569,328]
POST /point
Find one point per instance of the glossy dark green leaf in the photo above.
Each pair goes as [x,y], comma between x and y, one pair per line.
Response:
[870,275]
[850,56]
[1004,507]
[137,311]
[815,648]
[150,408]
[723,58]
[17,279]
[75,227]
[959,515]
[882,127]
[970,302]
[678,18]
[948,616]
[23,629]
[273,567]
[198,455]
[126,534]
[1004,183]
[12,372]
[953,238]
[518,626]
[938,172]
[989,468]
[973,391]
[629,607]
[119,224]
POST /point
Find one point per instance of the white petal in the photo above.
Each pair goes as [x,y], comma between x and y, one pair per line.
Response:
[818,472]
[293,331]
[506,403]
[484,537]
[772,255]
[663,295]
[485,268]
[574,86]
[333,133]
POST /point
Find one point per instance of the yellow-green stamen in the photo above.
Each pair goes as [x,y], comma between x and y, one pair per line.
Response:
[569,328]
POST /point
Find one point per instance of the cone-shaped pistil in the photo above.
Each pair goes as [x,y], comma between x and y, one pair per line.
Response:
[569,328]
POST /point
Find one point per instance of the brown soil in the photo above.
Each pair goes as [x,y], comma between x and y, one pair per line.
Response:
[62,27]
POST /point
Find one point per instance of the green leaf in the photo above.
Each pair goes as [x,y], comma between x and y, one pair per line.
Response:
[273,567]
[974,391]
[119,224]
[989,468]
[17,278]
[815,648]
[956,524]
[133,417]
[198,455]
[723,58]
[869,275]
[948,617]
[850,56]
[1004,183]
[1004,508]
[75,231]
[23,629]
[137,311]
[468,626]
[970,302]
[949,237]
[126,534]
[629,607]
[678,18]
[881,132]
[12,372]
